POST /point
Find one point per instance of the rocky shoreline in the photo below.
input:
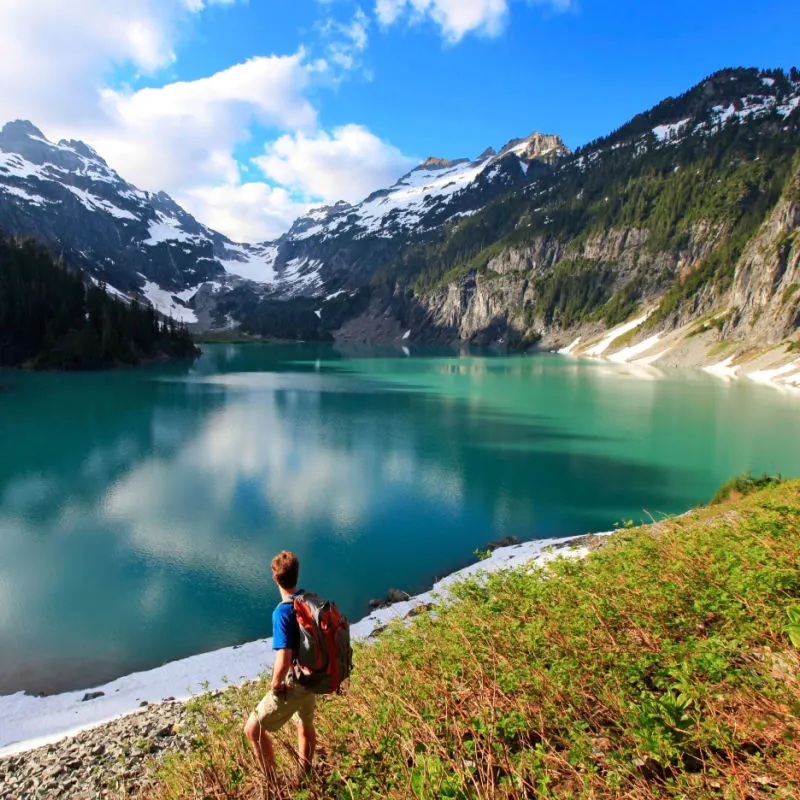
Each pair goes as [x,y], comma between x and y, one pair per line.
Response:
[113,760]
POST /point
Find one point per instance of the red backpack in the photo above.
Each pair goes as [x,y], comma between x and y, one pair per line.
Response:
[325,657]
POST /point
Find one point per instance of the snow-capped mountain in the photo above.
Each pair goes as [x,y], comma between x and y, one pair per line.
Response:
[342,245]
[65,195]
[434,192]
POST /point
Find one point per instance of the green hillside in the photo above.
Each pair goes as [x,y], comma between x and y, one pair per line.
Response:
[662,665]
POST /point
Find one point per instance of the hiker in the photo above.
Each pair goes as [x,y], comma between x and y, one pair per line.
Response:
[287,697]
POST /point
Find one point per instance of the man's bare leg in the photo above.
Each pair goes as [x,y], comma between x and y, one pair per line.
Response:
[261,743]
[306,745]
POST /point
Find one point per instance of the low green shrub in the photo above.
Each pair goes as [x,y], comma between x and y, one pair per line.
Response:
[742,485]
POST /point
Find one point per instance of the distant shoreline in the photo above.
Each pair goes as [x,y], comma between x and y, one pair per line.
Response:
[118,366]
[232,337]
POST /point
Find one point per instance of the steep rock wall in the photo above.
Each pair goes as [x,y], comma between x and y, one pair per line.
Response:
[499,303]
[765,297]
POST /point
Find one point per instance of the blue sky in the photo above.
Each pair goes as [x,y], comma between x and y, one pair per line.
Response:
[250,112]
[578,73]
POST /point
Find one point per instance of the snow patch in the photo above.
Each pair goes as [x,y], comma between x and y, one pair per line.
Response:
[95,203]
[411,197]
[786,376]
[614,334]
[629,353]
[724,369]
[188,294]
[253,263]
[567,351]
[301,274]
[111,290]
[33,199]
[166,229]
[666,132]
[16,166]
[164,302]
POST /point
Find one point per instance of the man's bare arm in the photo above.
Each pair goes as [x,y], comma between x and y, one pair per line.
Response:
[283,663]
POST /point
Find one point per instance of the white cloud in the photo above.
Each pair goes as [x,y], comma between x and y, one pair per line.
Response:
[246,212]
[183,136]
[54,54]
[457,18]
[347,41]
[199,5]
[347,165]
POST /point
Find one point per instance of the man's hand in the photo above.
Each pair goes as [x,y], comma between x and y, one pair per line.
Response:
[283,663]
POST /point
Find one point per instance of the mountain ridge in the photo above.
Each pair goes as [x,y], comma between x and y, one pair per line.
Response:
[531,243]
[167,255]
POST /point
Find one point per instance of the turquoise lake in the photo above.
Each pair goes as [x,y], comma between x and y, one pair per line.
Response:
[139,510]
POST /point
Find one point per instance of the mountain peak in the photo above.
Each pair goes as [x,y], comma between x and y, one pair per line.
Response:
[433,161]
[546,147]
[19,128]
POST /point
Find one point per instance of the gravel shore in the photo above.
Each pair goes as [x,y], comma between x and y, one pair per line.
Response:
[113,760]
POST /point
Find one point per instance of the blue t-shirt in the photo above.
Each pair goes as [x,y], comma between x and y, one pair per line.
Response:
[285,630]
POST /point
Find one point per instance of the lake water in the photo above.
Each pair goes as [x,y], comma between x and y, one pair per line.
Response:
[139,510]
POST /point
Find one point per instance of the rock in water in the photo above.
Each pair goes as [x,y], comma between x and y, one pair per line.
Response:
[392,596]
[506,541]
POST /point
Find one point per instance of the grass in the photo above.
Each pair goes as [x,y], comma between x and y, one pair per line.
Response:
[621,342]
[661,665]
[721,348]
[789,292]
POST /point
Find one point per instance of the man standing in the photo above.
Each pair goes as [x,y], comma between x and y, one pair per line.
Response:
[286,698]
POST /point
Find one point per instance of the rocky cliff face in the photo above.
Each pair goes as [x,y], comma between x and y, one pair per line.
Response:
[496,306]
[540,146]
[749,329]
[765,299]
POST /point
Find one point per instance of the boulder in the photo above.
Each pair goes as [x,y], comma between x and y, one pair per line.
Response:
[392,596]
[506,541]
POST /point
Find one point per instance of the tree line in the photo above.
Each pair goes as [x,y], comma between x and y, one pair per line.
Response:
[50,318]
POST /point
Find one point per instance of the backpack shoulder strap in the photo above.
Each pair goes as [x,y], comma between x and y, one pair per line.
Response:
[296,596]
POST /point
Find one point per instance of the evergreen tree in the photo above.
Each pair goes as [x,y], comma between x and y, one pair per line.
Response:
[49,318]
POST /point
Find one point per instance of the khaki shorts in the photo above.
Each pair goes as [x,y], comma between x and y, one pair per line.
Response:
[274,710]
